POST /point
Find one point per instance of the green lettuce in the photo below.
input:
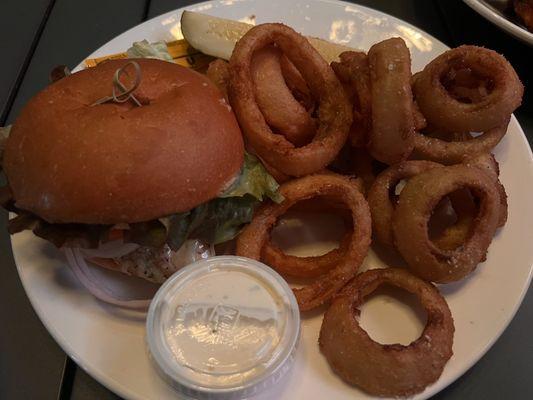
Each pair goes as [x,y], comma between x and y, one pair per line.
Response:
[214,222]
[255,181]
[221,219]
[144,49]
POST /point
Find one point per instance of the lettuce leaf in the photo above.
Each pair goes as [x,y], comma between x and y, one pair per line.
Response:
[214,222]
[255,181]
[151,233]
[225,218]
[222,219]
[144,49]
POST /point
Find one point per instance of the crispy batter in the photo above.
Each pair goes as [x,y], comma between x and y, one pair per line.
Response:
[386,370]
[330,186]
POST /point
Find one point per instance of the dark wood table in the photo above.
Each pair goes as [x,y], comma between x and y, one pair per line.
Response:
[37,35]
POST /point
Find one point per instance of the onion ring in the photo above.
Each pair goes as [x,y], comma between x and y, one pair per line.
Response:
[410,220]
[311,266]
[354,71]
[488,164]
[439,150]
[218,73]
[281,110]
[386,370]
[296,84]
[304,267]
[365,167]
[379,195]
[382,205]
[252,239]
[334,111]
[418,117]
[444,111]
[393,126]
[464,207]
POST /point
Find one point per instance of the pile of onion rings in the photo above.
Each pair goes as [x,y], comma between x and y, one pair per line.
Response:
[368,117]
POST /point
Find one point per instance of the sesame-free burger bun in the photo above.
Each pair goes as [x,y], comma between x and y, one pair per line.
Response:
[69,162]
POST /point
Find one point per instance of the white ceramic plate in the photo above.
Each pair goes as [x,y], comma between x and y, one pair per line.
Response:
[109,344]
[496,11]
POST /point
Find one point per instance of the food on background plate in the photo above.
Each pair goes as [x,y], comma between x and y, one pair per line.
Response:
[182,179]
[524,11]
[383,369]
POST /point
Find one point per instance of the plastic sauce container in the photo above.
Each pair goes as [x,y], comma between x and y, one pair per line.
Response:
[223,328]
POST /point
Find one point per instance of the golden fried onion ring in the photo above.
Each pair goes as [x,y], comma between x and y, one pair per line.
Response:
[379,196]
[457,151]
[386,370]
[417,201]
[354,73]
[335,115]
[338,188]
[312,266]
[444,111]
[281,110]
[393,124]
[304,267]
[488,164]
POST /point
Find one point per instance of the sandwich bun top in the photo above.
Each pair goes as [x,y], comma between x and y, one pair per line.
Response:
[68,162]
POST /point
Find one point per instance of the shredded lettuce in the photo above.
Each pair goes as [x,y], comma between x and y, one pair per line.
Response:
[144,49]
[223,218]
[214,222]
[151,233]
[255,181]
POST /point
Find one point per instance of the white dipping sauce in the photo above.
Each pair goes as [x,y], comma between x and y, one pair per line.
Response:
[223,324]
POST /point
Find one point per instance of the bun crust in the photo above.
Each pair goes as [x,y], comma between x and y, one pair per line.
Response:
[68,162]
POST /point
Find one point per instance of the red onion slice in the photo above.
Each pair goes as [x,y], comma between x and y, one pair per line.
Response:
[114,249]
[98,287]
[191,251]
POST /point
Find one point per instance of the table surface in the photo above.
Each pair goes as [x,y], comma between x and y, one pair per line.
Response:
[37,35]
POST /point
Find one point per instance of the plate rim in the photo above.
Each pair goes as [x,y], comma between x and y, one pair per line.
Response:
[123,390]
[482,8]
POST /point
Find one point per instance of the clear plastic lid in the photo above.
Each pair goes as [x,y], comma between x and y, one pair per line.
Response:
[223,328]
